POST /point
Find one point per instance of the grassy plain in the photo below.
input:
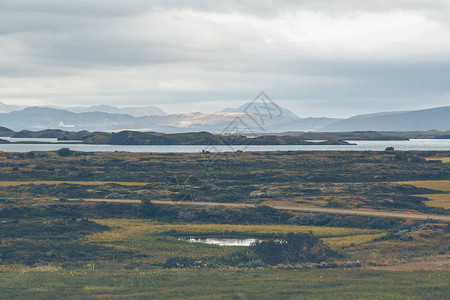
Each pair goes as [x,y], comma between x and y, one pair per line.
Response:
[329,179]
[159,241]
[438,200]
[223,284]
[48,249]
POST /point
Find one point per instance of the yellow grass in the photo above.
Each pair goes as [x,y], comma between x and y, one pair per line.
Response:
[345,241]
[443,159]
[128,228]
[49,182]
[144,236]
[438,200]
[435,200]
[439,185]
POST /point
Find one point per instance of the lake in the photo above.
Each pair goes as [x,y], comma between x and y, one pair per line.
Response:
[40,140]
[413,144]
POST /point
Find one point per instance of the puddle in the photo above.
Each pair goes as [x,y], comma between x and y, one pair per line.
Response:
[245,242]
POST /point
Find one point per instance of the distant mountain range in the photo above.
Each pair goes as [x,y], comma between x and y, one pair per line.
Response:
[420,120]
[245,119]
[133,111]
[6,108]
[257,109]
[115,119]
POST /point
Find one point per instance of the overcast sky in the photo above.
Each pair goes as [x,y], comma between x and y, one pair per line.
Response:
[317,58]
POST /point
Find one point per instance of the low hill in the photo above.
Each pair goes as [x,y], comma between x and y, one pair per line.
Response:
[6,132]
[153,138]
[85,136]
[129,137]
[354,135]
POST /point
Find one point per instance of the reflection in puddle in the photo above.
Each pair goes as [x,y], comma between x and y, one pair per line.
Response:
[222,242]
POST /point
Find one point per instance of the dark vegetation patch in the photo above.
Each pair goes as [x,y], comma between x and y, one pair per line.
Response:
[43,241]
[333,179]
[175,214]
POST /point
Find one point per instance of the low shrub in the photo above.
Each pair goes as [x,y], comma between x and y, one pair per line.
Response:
[292,248]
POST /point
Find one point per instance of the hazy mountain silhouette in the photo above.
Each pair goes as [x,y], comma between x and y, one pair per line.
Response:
[250,107]
[134,111]
[6,108]
[40,118]
[420,120]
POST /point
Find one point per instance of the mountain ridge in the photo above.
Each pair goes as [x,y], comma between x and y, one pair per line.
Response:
[250,107]
[133,111]
[437,118]
[40,118]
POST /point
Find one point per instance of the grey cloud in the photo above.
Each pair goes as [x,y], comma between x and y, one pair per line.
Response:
[55,40]
[96,8]
[273,7]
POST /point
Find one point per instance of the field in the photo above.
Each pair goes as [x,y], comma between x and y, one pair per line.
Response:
[57,243]
[159,241]
[329,179]
[439,185]
[443,159]
[438,200]
[223,284]
[435,200]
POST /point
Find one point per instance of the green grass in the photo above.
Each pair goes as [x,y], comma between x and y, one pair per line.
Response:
[225,284]
[150,237]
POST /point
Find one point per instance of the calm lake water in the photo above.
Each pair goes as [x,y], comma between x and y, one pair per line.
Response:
[40,140]
[414,144]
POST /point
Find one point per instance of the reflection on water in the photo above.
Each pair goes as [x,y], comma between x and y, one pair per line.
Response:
[222,242]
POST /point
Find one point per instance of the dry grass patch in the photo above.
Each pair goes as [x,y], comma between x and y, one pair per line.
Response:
[445,160]
[123,228]
[439,185]
[345,241]
[437,200]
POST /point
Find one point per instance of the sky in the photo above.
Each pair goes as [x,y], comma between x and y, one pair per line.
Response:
[334,58]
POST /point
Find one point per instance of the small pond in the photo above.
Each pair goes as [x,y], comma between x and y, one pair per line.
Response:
[222,241]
